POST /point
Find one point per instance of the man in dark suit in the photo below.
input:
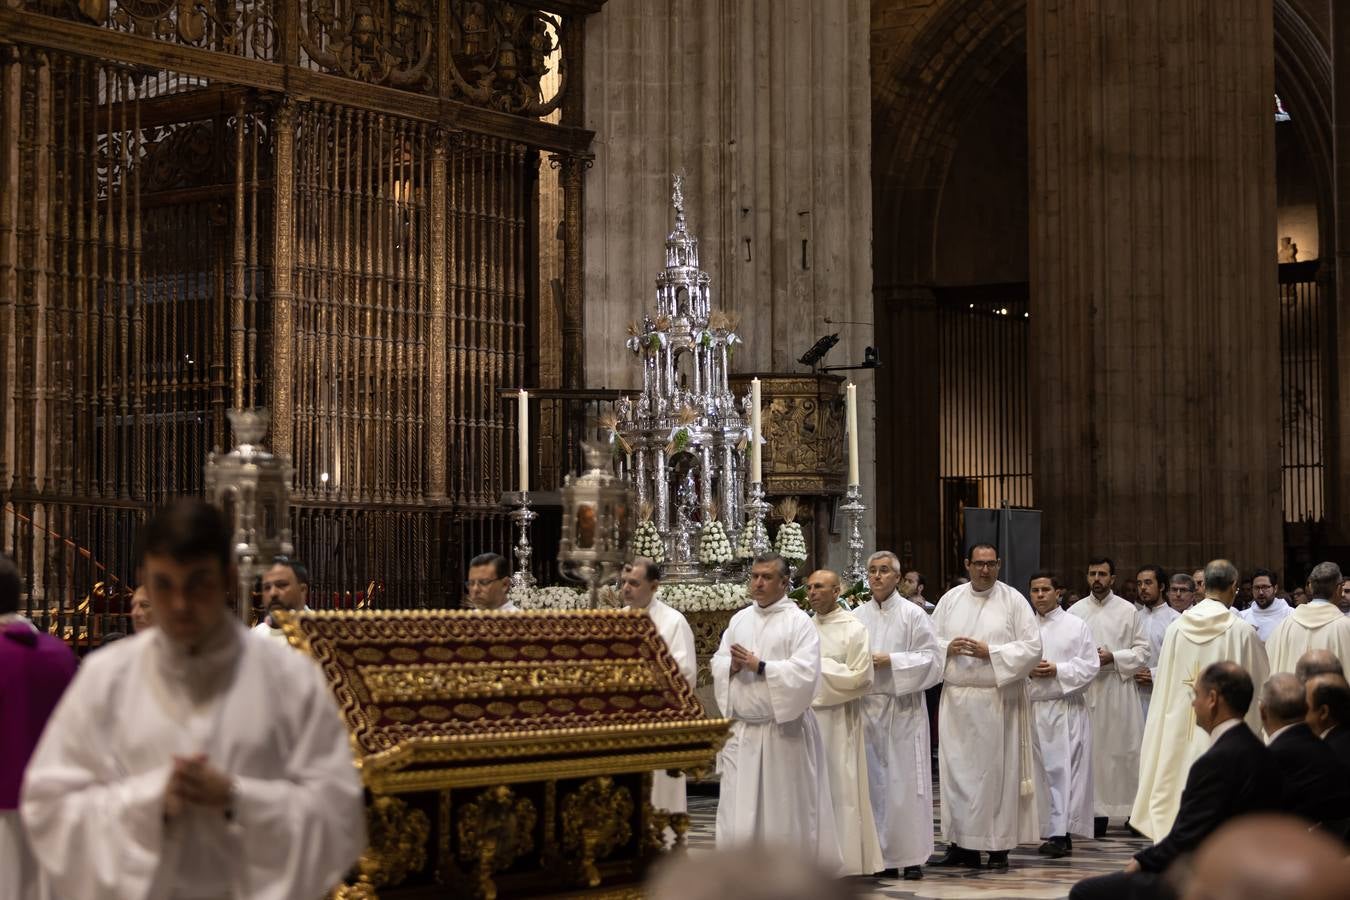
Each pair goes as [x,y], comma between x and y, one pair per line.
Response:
[1329,714]
[1236,775]
[1315,786]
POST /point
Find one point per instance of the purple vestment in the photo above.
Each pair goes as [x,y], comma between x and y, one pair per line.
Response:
[34,671]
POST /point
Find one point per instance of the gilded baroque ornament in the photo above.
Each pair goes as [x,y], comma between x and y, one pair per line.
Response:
[500,54]
[387,42]
[596,823]
[239,27]
[398,847]
[494,831]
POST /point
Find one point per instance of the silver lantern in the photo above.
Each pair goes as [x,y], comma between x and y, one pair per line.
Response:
[597,519]
[253,487]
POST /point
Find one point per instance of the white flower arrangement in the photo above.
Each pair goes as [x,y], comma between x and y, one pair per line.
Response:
[563,596]
[744,547]
[714,547]
[647,542]
[686,598]
[790,543]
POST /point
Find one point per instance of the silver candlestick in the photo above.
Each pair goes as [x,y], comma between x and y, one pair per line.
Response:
[757,508]
[522,515]
[855,509]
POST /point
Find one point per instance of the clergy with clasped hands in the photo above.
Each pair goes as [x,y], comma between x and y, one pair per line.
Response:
[191,761]
[845,675]
[906,661]
[774,787]
[986,736]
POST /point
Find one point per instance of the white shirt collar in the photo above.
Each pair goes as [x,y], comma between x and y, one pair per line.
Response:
[1223,728]
[1280,731]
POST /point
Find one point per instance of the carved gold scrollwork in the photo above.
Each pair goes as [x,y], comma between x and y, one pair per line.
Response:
[241,27]
[595,820]
[398,847]
[500,54]
[494,831]
[378,41]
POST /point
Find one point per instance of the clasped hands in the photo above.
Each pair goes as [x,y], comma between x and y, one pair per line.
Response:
[194,780]
[964,646]
[742,658]
[1044,669]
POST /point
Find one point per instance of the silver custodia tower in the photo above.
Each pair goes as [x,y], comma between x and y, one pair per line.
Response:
[686,432]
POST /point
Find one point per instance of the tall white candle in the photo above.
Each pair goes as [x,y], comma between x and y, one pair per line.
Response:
[852,395]
[755,471]
[523,438]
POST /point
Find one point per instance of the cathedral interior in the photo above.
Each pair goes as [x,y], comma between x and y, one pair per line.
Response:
[1081,257]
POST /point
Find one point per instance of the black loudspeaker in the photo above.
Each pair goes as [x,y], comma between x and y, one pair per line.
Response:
[1017,535]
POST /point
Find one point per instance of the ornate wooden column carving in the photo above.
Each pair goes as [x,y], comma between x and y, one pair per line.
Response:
[436,399]
[10,75]
[574,260]
[283,292]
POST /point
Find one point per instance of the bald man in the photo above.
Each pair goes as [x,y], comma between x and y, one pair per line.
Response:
[1329,714]
[1317,662]
[1314,785]
[1269,857]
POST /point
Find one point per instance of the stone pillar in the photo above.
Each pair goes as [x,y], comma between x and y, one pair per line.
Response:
[766,107]
[1154,375]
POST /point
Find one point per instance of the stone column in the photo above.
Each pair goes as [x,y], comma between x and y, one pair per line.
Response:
[766,107]
[1155,381]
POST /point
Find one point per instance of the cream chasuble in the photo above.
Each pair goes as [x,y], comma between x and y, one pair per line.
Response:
[986,737]
[899,751]
[1318,625]
[669,793]
[1063,726]
[1113,701]
[1156,620]
[1206,633]
[1265,621]
[845,675]
[93,797]
[774,788]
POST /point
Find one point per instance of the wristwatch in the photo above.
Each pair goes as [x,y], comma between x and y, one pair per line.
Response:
[760,670]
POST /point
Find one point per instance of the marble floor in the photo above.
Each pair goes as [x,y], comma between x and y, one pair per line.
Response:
[1031,876]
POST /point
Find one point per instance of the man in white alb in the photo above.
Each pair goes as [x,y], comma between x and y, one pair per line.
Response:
[1267,611]
[906,661]
[845,674]
[1315,625]
[1113,697]
[190,761]
[284,586]
[774,789]
[986,736]
[489,584]
[1058,684]
[638,584]
[1156,615]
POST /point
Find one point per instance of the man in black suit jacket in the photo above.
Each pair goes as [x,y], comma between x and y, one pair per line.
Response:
[1315,786]
[1329,714]
[1236,775]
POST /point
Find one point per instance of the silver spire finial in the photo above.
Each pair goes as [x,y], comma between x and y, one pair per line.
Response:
[677,198]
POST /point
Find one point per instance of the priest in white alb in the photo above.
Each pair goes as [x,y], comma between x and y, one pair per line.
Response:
[774,787]
[638,584]
[1156,615]
[845,675]
[1318,624]
[1113,697]
[191,761]
[906,661]
[1206,633]
[1267,611]
[986,737]
[1058,685]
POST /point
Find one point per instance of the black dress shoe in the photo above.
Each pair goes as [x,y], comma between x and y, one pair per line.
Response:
[958,856]
[888,873]
[913,873]
[1099,827]
[998,860]
[1055,848]
[1068,841]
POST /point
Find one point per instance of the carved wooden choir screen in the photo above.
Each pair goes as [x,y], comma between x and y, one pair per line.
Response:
[328,208]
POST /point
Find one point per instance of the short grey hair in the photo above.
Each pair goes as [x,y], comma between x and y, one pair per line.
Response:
[773,559]
[1184,580]
[1316,662]
[886,554]
[1220,575]
[1324,579]
[1284,697]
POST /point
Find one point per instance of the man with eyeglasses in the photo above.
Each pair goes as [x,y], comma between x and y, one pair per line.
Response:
[1267,611]
[488,584]
[989,639]
[1181,592]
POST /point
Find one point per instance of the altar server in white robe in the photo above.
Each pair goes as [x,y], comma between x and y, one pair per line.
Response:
[638,584]
[1267,611]
[845,675]
[986,736]
[774,787]
[1156,615]
[1316,625]
[489,584]
[906,661]
[191,761]
[1206,633]
[1058,684]
[1113,697]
